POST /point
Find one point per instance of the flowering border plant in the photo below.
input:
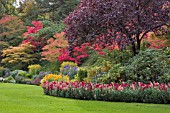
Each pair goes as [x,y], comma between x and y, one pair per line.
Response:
[135,92]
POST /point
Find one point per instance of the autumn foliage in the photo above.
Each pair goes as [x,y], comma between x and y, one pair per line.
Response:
[32,36]
[19,57]
[11,29]
[116,22]
[54,47]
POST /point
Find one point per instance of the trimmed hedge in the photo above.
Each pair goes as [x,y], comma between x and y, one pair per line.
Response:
[136,92]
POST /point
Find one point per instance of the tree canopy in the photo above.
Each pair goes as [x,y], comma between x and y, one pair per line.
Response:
[119,22]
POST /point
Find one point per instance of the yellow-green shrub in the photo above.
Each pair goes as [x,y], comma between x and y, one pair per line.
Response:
[54,77]
[34,69]
[71,64]
[19,57]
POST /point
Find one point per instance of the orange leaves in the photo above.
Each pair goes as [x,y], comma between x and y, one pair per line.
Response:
[21,55]
[5,19]
[12,26]
[52,50]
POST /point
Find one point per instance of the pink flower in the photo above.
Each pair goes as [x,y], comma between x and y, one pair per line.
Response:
[156,83]
[120,88]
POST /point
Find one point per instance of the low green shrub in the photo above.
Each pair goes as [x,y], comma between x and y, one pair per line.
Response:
[4,72]
[14,73]
[81,74]
[149,65]
[19,79]
[37,79]
[34,69]
[9,79]
[53,67]
[19,75]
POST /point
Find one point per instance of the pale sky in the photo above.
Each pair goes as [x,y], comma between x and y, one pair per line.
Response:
[18,3]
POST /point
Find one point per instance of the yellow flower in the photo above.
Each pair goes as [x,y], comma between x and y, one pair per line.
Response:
[54,77]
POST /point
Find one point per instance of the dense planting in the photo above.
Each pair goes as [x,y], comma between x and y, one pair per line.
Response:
[110,50]
[135,92]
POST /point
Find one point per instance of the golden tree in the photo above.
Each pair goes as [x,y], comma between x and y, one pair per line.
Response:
[19,57]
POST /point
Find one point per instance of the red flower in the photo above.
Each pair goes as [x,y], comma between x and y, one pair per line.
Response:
[101,53]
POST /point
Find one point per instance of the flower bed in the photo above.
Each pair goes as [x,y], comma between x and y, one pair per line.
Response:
[135,92]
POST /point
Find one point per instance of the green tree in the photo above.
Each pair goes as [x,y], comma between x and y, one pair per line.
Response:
[56,10]
[8,7]
[28,11]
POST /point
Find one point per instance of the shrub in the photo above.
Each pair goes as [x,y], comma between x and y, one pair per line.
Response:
[108,68]
[115,74]
[37,79]
[4,72]
[94,59]
[15,72]
[81,74]
[54,77]
[19,79]
[99,73]
[91,72]
[47,66]
[71,64]
[22,73]
[148,65]
[9,79]
[19,75]
[69,68]
[34,69]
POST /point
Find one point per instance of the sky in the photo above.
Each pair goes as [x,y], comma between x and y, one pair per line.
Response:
[18,3]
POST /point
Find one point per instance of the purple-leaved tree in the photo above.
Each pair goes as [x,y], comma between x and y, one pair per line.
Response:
[124,22]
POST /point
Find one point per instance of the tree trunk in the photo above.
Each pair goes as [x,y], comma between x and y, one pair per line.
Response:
[133,46]
[138,43]
[134,49]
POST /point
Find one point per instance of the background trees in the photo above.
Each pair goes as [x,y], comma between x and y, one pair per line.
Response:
[56,10]
[101,36]
[8,7]
[11,30]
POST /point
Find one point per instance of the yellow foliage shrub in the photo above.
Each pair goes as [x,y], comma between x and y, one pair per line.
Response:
[54,77]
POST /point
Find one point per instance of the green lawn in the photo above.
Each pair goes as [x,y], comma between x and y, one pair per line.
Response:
[15,98]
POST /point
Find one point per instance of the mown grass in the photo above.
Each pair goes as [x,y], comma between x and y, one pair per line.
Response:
[17,98]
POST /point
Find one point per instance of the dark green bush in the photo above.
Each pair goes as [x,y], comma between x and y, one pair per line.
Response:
[81,74]
[4,72]
[53,67]
[148,65]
